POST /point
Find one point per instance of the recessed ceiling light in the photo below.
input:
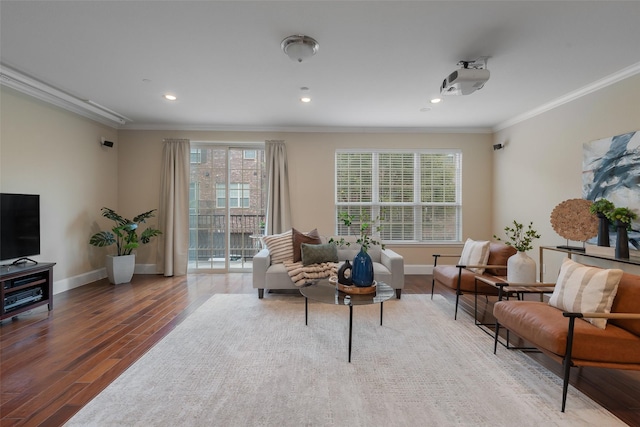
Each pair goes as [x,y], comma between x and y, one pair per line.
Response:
[305,95]
[436,100]
[425,109]
[170,97]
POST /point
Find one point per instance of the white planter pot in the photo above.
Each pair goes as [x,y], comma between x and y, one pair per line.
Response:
[521,268]
[120,268]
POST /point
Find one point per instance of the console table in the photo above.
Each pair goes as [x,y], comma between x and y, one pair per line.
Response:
[571,252]
[24,287]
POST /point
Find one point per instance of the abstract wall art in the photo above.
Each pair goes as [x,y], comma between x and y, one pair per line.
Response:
[611,170]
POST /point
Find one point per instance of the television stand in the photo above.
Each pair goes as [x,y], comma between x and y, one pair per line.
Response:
[24,287]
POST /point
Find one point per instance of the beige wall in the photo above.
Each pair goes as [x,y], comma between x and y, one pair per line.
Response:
[541,164]
[311,168]
[57,154]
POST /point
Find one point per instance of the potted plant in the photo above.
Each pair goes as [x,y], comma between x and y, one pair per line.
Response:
[622,218]
[364,240]
[124,235]
[362,270]
[521,268]
[601,208]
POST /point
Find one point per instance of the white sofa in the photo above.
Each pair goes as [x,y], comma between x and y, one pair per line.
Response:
[388,267]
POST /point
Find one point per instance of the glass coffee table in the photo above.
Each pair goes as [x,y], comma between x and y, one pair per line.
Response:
[326,292]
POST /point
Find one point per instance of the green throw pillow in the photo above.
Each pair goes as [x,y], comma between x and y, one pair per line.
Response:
[316,254]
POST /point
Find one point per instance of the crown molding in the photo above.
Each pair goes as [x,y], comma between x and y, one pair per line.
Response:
[303,129]
[572,96]
[49,94]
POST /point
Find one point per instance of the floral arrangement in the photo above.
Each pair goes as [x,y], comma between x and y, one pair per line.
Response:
[518,237]
[601,206]
[623,215]
[364,240]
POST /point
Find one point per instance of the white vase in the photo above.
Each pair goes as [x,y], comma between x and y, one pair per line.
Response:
[120,268]
[521,268]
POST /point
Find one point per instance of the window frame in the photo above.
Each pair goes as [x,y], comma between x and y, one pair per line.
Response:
[450,229]
[238,196]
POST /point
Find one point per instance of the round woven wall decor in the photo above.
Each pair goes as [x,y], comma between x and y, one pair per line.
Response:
[572,220]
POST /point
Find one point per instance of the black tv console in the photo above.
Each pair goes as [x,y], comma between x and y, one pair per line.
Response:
[24,287]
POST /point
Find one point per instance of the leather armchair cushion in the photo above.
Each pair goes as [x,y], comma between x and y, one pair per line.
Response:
[448,276]
[546,328]
[627,301]
[499,253]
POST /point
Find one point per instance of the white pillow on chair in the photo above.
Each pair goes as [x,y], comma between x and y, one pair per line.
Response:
[584,289]
[475,253]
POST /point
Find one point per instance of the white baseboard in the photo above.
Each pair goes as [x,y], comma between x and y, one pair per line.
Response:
[418,269]
[145,269]
[101,273]
[95,275]
[79,280]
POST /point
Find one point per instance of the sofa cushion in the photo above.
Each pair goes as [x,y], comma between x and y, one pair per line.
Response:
[299,238]
[474,253]
[317,254]
[583,289]
[280,247]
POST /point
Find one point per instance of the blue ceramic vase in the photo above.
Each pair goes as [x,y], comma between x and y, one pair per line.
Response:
[362,272]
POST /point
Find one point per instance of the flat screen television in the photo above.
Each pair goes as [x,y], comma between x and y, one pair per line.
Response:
[19,225]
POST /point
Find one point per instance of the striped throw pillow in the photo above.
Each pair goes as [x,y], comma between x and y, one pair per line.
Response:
[280,247]
[475,253]
[583,289]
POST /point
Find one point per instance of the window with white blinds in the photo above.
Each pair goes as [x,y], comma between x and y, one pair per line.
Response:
[416,194]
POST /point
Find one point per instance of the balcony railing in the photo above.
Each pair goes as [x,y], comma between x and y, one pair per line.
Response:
[207,236]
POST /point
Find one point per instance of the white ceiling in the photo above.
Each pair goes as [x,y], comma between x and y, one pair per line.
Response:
[378,64]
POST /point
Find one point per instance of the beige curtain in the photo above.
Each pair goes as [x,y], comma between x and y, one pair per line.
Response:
[278,204]
[173,213]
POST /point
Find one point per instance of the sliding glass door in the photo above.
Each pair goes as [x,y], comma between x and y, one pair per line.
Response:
[227,204]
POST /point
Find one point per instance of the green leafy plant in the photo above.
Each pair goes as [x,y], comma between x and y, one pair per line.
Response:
[601,206]
[622,215]
[125,233]
[518,237]
[365,240]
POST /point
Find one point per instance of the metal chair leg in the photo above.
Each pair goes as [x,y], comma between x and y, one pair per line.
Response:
[566,362]
[455,316]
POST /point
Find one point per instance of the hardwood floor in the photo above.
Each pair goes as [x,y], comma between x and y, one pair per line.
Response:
[54,363]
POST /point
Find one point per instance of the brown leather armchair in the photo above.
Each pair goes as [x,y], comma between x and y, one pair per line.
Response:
[462,279]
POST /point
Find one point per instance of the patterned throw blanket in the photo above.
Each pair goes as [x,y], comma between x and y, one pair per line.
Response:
[301,274]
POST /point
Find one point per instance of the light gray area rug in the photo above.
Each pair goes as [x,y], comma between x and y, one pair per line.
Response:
[241,361]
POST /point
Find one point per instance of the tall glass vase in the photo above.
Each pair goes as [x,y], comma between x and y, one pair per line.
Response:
[622,240]
[362,273]
[603,230]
